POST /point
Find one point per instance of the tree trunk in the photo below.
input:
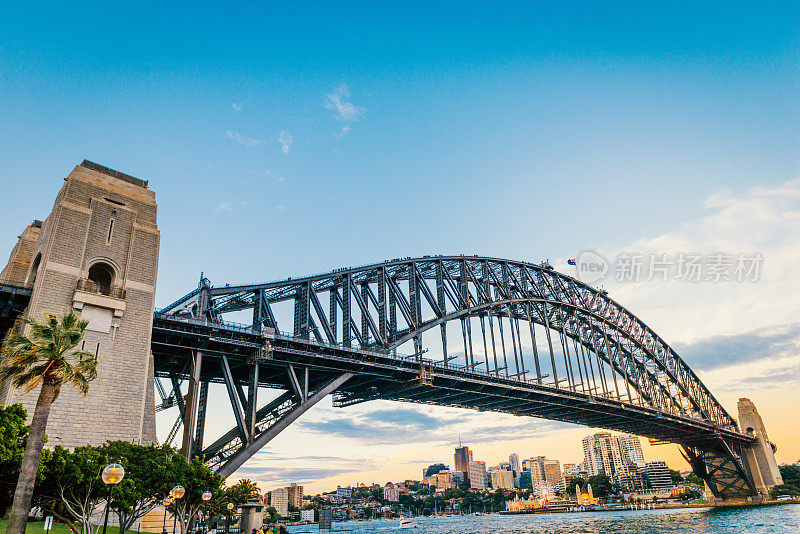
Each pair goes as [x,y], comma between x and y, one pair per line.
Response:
[18,519]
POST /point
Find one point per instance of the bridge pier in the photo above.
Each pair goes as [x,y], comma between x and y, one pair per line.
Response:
[760,457]
[97,253]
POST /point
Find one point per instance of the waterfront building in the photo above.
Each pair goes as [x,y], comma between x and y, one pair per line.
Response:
[602,454]
[502,479]
[443,479]
[476,474]
[657,475]
[513,459]
[631,447]
[282,498]
[552,474]
[463,456]
[629,479]
[585,496]
[307,516]
[520,505]
[516,470]
[525,479]
[391,494]
[344,492]
[545,473]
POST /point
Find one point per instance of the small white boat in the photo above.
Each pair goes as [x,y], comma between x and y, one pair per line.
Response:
[406,523]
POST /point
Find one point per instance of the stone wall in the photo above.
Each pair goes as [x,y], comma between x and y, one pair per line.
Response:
[78,233]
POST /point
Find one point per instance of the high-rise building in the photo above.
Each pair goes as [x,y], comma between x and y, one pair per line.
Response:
[283,498]
[344,492]
[632,449]
[657,475]
[443,479]
[476,473]
[391,494]
[513,459]
[502,479]
[629,479]
[545,474]
[433,469]
[552,474]
[463,457]
[602,454]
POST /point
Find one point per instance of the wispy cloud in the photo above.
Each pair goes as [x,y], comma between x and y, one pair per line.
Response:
[249,142]
[721,350]
[285,139]
[382,427]
[344,131]
[343,110]
[223,206]
[268,174]
[237,107]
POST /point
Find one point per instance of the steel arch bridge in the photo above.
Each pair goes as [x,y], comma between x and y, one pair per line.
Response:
[465,331]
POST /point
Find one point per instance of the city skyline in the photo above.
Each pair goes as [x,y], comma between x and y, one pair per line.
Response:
[287,140]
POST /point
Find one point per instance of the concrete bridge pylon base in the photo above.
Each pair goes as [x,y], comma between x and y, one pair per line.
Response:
[760,458]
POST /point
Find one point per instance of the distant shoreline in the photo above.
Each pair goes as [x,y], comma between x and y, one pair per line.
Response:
[656,507]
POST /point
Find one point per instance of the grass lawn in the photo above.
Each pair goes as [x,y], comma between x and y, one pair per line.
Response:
[58,528]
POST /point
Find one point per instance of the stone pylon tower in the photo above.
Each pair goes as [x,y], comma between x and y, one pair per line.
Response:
[761,456]
[96,252]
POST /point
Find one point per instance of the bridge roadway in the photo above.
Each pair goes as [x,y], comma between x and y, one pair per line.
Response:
[382,375]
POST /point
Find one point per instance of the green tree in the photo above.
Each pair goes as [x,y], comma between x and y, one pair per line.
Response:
[677,478]
[273,513]
[242,491]
[71,488]
[146,480]
[42,354]
[575,484]
[13,436]
[694,479]
[791,481]
[196,478]
[601,485]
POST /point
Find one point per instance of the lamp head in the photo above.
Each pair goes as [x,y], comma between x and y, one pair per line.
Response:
[113,474]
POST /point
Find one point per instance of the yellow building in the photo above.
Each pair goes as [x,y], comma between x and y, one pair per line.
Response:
[586,498]
[520,505]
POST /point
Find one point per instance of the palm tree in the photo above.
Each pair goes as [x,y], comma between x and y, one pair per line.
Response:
[42,353]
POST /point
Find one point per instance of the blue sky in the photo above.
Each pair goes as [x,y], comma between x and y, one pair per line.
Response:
[283,139]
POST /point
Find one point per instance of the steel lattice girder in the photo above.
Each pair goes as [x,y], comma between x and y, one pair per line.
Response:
[722,466]
[467,286]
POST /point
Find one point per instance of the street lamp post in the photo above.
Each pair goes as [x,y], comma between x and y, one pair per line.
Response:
[176,493]
[206,496]
[166,502]
[228,518]
[112,475]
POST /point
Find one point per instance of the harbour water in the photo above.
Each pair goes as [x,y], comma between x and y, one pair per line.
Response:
[740,520]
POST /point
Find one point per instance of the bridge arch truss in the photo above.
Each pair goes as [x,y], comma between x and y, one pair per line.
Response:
[503,323]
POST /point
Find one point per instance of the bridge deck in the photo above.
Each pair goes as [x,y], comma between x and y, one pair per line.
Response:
[13,301]
[382,375]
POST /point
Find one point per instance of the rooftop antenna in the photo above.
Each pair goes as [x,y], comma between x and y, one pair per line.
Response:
[459,440]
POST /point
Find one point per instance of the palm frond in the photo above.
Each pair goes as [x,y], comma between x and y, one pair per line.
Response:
[43,350]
